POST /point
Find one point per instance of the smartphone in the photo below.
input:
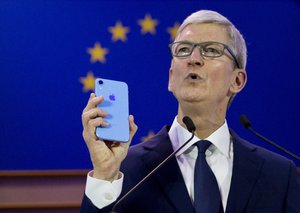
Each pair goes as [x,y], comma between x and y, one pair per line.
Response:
[115,103]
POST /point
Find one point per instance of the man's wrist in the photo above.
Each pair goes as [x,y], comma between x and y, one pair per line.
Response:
[107,177]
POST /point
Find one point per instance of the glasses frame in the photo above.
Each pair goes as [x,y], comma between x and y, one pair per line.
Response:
[201,44]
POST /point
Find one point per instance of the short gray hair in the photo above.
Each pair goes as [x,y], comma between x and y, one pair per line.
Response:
[208,16]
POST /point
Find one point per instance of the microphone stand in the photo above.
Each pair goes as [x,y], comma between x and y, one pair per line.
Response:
[246,123]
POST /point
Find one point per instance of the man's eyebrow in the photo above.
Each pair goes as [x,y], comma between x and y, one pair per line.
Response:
[185,41]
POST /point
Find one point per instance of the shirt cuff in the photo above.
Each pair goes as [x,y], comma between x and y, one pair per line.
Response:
[101,192]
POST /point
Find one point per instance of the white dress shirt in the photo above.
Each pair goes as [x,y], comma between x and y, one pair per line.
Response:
[219,157]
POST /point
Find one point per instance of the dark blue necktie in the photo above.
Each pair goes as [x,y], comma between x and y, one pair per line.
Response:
[207,197]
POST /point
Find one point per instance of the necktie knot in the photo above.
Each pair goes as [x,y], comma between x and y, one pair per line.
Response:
[203,145]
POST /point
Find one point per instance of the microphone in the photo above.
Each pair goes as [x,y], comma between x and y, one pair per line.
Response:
[191,128]
[247,124]
[189,124]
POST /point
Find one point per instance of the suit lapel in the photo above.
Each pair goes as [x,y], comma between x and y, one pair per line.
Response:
[246,169]
[169,176]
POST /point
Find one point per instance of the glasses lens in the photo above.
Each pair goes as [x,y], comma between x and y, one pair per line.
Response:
[212,50]
[182,49]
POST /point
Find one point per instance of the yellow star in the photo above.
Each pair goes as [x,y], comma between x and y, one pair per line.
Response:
[88,82]
[173,30]
[97,53]
[148,24]
[150,135]
[119,32]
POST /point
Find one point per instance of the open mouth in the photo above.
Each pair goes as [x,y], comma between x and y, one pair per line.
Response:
[193,76]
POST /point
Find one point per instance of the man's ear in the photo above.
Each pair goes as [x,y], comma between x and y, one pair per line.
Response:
[239,80]
[170,80]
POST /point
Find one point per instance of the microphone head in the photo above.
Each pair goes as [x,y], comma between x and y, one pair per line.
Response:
[189,123]
[244,120]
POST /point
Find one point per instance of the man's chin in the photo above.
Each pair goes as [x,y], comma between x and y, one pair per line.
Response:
[191,99]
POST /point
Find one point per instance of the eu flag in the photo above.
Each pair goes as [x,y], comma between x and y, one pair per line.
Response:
[51,51]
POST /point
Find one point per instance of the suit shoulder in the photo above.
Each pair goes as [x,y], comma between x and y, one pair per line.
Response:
[152,143]
[260,152]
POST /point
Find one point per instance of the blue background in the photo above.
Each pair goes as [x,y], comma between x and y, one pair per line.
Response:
[43,54]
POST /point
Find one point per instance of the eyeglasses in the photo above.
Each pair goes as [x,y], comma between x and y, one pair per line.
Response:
[208,49]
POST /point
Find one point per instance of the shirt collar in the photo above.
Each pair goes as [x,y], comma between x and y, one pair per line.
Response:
[219,138]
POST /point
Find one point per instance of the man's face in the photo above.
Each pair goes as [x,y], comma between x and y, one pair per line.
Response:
[210,81]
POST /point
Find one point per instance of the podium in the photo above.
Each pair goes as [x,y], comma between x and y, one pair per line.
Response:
[42,191]
[53,191]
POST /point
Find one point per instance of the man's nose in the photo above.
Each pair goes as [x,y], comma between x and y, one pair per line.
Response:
[196,58]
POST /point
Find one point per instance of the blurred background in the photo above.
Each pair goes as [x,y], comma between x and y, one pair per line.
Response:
[51,51]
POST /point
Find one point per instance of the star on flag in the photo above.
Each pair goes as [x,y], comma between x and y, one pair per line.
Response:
[173,30]
[148,24]
[147,137]
[119,32]
[88,82]
[97,53]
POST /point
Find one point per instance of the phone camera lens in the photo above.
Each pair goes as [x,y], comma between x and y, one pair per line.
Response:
[100,82]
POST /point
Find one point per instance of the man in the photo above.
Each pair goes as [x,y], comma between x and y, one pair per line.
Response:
[207,71]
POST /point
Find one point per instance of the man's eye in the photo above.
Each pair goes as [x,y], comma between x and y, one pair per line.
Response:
[212,51]
[183,50]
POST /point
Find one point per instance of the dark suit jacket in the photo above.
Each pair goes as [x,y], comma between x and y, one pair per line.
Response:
[262,181]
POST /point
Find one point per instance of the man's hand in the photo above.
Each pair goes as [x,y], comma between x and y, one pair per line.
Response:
[106,156]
